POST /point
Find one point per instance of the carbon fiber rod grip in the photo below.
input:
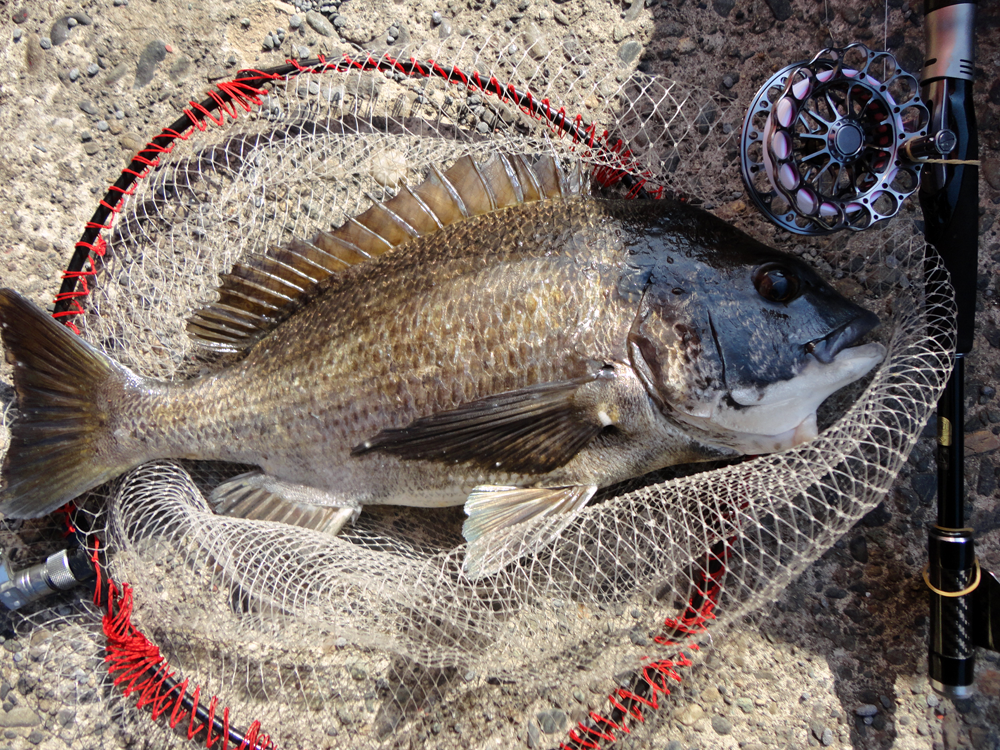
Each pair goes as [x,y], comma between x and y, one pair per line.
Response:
[952,650]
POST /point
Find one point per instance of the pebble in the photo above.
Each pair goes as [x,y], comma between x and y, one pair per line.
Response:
[20,16]
[629,51]
[268,43]
[552,721]
[533,736]
[294,22]
[91,148]
[827,739]
[745,705]
[879,516]
[86,136]
[689,714]
[19,716]
[102,125]
[534,42]
[245,23]
[817,729]
[866,709]
[991,172]
[93,69]
[45,43]
[320,24]
[436,18]
[721,724]
[723,7]
[154,53]
[637,635]
[711,695]
[88,106]
[987,483]
[925,485]
[130,142]
[858,547]
[74,73]
[59,32]
[781,9]
[116,73]
[17,34]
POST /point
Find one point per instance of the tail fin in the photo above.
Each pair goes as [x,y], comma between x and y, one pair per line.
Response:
[59,443]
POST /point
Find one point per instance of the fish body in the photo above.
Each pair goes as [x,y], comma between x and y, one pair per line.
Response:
[513,361]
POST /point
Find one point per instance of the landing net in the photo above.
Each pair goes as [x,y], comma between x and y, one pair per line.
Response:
[375,638]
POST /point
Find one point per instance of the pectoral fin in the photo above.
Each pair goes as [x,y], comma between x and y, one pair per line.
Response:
[507,523]
[256,495]
[533,430]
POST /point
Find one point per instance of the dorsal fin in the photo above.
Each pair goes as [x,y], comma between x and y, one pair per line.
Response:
[263,290]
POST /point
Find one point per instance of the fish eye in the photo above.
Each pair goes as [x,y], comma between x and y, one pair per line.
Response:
[776,283]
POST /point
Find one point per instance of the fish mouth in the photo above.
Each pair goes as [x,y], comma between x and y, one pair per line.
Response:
[827,348]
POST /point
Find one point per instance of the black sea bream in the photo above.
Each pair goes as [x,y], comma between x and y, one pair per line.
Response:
[538,346]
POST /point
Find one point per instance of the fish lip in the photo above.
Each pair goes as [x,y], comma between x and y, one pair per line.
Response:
[827,348]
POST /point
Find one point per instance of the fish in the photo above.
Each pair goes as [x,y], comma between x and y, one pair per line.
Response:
[498,337]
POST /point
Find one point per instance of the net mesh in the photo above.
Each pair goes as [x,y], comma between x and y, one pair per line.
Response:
[375,638]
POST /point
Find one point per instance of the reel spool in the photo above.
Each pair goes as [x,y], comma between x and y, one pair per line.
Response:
[837,141]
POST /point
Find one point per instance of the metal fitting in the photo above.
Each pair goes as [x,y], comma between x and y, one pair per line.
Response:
[60,571]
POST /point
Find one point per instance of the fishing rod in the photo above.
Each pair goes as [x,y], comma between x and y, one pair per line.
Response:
[964,599]
[854,111]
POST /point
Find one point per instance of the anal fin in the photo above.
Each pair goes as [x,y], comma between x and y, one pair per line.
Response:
[257,496]
[507,523]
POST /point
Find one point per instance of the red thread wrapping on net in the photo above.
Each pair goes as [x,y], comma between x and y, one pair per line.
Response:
[137,667]
[237,92]
[626,705]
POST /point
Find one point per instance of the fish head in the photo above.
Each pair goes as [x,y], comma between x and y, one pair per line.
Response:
[741,343]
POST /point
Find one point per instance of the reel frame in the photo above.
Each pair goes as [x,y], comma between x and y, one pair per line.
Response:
[828,144]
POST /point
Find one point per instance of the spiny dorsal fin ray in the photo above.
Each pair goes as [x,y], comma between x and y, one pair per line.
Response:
[263,290]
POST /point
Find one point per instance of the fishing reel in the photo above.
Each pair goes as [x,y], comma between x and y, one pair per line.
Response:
[837,141]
